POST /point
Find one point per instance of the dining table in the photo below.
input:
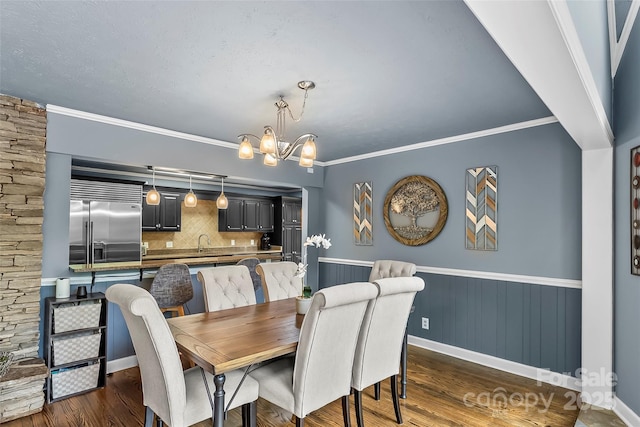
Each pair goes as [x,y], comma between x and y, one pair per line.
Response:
[224,340]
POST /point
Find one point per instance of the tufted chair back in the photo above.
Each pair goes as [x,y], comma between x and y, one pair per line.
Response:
[383,328]
[384,268]
[279,280]
[178,398]
[324,359]
[226,287]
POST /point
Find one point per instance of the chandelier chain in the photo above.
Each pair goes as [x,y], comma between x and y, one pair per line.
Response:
[304,102]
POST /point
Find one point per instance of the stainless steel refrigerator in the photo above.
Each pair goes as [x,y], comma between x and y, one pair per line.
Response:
[105,223]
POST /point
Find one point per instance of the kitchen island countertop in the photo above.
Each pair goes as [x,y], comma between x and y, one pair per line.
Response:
[184,256]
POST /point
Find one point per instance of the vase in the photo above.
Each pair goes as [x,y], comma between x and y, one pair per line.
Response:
[303,304]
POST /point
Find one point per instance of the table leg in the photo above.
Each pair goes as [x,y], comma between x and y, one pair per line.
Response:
[218,401]
[403,361]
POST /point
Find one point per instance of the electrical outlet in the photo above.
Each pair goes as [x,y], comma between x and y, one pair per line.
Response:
[169,244]
[253,242]
[425,323]
[233,242]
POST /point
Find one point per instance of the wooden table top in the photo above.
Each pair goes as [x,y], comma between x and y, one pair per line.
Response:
[225,340]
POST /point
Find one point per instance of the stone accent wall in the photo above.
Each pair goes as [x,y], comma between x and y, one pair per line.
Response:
[23,127]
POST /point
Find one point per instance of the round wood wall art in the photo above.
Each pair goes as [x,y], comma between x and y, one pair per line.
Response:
[415,210]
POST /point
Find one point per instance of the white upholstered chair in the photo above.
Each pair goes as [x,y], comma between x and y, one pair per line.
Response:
[321,372]
[384,268]
[279,280]
[382,331]
[226,287]
[178,398]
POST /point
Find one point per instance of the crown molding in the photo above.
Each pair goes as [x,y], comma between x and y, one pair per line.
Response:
[151,129]
[561,13]
[617,46]
[448,140]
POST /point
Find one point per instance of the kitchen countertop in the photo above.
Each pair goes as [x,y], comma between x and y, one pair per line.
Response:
[207,252]
[184,256]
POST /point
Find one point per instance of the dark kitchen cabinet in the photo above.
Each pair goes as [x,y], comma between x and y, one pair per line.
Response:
[166,216]
[292,211]
[288,228]
[231,219]
[247,215]
[258,215]
[292,243]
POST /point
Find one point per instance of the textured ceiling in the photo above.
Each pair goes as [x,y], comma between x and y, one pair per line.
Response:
[388,74]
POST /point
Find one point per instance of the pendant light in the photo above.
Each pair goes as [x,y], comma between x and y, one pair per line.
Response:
[190,199]
[221,201]
[153,197]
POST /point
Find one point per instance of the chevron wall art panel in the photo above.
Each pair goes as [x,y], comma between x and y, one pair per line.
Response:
[362,212]
[482,208]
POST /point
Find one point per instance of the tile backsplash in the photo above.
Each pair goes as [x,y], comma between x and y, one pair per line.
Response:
[203,219]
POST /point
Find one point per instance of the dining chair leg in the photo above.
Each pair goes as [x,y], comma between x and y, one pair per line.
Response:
[345,411]
[148,417]
[403,363]
[299,422]
[394,396]
[249,412]
[357,398]
[376,390]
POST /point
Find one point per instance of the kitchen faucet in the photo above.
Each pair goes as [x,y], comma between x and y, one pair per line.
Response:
[208,241]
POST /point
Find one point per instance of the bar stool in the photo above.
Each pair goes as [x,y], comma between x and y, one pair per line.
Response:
[172,288]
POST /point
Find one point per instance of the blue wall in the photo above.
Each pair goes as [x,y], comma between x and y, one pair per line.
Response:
[539,204]
[627,286]
[539,234]
[534,325]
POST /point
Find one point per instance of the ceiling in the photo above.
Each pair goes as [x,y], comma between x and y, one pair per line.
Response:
[387,74]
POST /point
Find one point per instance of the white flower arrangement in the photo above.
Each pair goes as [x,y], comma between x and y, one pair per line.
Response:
[316,240]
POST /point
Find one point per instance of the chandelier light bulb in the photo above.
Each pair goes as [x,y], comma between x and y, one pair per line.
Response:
[268,143]
[270,160]
[245,151]
[305,162]
[309,149]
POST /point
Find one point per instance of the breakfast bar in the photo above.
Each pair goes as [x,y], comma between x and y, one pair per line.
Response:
[156,259]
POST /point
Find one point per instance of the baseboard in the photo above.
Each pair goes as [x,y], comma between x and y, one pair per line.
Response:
[538,374]
[121,364]
[625,413]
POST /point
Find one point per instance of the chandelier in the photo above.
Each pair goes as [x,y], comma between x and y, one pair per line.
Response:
[273,143]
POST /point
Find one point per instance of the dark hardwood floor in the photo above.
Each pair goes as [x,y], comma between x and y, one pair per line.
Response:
[442,391]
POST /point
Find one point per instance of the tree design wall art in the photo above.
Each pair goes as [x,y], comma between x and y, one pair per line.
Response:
[415,210]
